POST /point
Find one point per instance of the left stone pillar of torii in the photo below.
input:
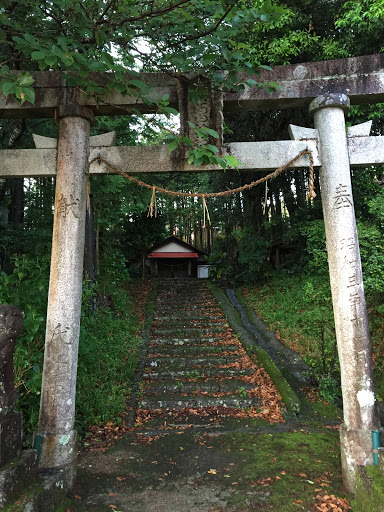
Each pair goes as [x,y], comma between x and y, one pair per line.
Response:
[55,439]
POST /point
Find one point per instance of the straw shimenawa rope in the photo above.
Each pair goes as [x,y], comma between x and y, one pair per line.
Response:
[155,188]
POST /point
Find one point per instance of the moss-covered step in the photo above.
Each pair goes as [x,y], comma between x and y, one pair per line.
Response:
[196,374]
[190,350]
[187,332]
[185,386]
[183,316]
[191,362]
[182,402]
[203,323]
[185,341]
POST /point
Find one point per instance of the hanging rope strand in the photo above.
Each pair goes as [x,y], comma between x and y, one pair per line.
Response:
[311,186]
[266,197]
[152,210]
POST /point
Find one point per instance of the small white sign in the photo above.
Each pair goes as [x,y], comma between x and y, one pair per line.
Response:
[202,271]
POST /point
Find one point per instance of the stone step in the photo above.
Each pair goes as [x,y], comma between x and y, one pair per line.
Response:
[191,362]
[185,324]
[182,288]
[180,374]
[185,305]
[187,332]
[184,341]
[192,322]
[183,402]
[190,350]
[177,299]
[182,282]
[209,385]
[192,306]
[186,316]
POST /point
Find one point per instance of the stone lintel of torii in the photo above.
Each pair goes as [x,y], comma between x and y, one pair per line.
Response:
[362,78]
[334,152]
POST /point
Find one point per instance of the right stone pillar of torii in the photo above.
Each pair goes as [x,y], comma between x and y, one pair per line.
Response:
[351,321]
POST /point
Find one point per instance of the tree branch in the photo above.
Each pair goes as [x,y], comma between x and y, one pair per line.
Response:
[149,14]
[205,32]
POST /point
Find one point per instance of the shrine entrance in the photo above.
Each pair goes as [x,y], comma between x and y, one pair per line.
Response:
[327,88]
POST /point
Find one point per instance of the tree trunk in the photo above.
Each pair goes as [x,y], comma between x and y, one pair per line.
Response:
[16,208]
[90,243]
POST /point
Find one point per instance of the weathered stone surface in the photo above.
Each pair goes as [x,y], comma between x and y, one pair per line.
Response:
[16,476]
[360,77]
[104,139]
[10,437]
[360,130]
[157,159]
[369,489]
[182,402]
[181,374]
[187,368]
[11,324]
[206,112]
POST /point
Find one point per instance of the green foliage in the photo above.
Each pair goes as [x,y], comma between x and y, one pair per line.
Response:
[243,262]
[107,359]
[108,343]
[26,287]
[253,251]
[316,250]
[372,256]
[376,209]
[371,250]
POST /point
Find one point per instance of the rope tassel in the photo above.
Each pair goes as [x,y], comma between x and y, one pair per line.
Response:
[152,210]
[266,197]
[205,210]
[311,187]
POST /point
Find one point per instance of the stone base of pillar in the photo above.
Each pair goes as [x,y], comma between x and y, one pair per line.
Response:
[60,478]
[57,456]
[356,450]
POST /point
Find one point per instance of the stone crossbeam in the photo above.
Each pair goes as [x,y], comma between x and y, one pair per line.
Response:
[362,78]
[155,159]
[263,156]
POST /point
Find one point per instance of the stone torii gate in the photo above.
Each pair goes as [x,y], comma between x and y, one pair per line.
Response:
[327,88]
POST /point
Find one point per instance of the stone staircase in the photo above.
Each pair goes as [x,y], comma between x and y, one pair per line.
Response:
[194,360]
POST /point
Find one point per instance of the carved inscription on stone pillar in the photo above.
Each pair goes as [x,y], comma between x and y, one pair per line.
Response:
[206,112]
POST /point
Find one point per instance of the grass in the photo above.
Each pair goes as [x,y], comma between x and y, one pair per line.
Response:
[295,308]
[285,471]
